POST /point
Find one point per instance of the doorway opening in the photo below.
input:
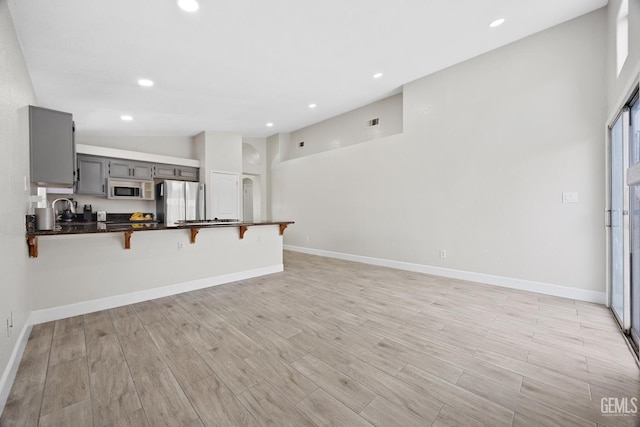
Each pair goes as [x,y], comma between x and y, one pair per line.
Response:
[247,199]
[251,198]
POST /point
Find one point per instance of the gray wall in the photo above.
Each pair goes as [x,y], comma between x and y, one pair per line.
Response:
[16,92]
[217,152]
[488,148]
[347,129]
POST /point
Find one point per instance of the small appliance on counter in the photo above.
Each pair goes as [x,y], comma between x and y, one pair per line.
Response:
[66,216]
[179,201]
[86,213]
[44,218]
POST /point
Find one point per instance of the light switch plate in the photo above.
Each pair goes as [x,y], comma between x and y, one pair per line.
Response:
[570,197]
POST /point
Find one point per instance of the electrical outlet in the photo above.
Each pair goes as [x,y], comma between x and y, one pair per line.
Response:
[570,197]
[443,253]
[180,246]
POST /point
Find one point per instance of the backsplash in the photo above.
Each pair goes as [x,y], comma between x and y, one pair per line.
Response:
[108,205]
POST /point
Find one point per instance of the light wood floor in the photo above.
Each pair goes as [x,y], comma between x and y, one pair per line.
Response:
[329,342]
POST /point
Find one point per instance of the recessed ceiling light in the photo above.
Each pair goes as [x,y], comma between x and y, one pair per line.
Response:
[188,5]
[126,118]
[312,105]
[269,125]
[377,75]
[145,82]
[497,23]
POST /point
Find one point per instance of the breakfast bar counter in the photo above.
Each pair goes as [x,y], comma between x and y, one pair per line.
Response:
[128,228]
[82,267]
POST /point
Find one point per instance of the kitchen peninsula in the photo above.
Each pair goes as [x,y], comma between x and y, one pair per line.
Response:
[83,268]
[129,228]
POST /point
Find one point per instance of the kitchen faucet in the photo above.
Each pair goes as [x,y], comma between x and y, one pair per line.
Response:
[53,206]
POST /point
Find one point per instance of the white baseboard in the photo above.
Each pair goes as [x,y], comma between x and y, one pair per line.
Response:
[505,282]
[14,362]
[64,311]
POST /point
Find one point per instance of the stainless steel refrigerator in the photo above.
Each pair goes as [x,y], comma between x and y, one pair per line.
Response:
[178,201]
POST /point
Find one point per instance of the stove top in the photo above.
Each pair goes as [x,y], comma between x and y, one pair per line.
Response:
[207,221]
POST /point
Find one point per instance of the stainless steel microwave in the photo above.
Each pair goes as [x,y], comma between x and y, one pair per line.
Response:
[122,191]
[131,189]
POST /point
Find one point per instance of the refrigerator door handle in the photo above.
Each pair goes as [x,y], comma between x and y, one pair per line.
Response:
[201,202]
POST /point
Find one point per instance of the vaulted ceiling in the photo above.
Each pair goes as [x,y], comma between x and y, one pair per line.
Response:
[237,65]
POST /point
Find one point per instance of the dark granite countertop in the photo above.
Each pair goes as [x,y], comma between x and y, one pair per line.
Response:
[120,223]
[119,227]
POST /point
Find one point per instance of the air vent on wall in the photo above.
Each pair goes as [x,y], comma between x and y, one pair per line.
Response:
[373,122]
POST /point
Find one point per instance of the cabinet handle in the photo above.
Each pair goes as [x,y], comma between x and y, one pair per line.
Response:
[78,174]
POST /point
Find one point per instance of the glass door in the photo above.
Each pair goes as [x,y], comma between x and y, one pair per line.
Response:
[618,231]
[624,222]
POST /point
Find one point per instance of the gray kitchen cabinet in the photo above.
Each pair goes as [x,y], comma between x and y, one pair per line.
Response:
[119,169]
[142,171]
[175,172]
[91,175]
[128,169]
[186,173]
[164,171]
[52,147]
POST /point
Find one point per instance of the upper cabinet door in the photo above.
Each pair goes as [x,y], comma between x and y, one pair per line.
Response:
[52,147]
[188,174]
[142,171]
[91,176]
[164,171]
[119,169]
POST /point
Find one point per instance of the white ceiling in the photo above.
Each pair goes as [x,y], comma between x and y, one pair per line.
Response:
[236,65]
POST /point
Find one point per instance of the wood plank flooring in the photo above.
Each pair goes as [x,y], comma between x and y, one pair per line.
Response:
[329,342]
